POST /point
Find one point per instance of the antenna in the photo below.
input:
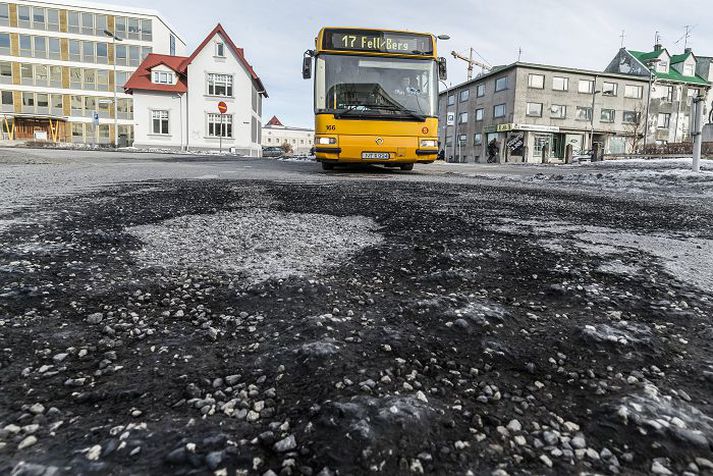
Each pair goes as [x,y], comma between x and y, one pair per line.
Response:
[657,41]
[519,54]
[623,35]
[686,38]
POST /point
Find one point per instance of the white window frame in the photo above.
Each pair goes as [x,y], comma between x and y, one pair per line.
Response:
[540,84]
[613,90]
[666,120]
[214,80]
[562,111]
[162,115]
[162,77]
[565,83]
[530,113]
[220,49]
[607,120]
[219,119]
[587,90]
[628,91]
[689,72]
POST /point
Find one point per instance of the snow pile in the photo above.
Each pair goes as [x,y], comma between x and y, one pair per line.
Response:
[623,333]
[255,244]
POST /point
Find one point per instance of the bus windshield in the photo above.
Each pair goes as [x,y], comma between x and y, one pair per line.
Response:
[376,87]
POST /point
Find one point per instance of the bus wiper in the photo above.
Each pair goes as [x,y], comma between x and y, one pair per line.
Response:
[384,107]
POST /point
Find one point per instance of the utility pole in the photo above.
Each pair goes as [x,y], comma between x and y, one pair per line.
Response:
[114,39]
[471,62]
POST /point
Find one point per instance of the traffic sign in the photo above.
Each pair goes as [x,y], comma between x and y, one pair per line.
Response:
[222,107]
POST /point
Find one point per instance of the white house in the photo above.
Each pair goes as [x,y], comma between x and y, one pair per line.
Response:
[276,134]
[176,99]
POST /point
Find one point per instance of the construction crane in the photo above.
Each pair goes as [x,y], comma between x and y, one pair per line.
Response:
[471,62]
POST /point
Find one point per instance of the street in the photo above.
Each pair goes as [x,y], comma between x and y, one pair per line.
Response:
[193,315]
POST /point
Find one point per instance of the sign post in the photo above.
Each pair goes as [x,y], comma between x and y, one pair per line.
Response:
[697,130]
[222,108]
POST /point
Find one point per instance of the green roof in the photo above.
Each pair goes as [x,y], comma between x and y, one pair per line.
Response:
[675,59]
[673,74]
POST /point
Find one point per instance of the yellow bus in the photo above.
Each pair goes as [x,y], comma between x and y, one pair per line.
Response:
[375,96]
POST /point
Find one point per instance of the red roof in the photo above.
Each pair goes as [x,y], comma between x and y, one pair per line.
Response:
[141,79]
[274,122]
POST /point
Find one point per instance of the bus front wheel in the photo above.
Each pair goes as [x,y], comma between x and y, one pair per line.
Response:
[327,166]
[407,167]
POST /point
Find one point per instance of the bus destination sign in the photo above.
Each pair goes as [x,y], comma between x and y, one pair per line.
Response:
[378,42]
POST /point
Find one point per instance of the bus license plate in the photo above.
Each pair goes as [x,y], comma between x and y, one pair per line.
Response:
[375,155]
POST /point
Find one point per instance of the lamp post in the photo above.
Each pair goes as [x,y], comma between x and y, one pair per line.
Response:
[594,101]
[114,39]
[652,78]
[180,116]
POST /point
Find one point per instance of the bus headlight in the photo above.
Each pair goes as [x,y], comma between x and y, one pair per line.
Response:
[429,143]
[326,140]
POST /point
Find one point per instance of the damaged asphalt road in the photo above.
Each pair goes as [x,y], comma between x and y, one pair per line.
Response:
[351,327]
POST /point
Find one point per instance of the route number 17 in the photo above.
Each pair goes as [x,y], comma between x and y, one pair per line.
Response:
[349,41]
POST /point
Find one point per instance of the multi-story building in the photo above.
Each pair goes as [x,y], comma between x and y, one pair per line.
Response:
[523,111]
[674,81]
[276,134]
[210,100]
[60,72]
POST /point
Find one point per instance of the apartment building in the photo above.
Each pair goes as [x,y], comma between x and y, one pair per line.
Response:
[276,134]
[675,80]
[178,99]
[62,75]
[524,111]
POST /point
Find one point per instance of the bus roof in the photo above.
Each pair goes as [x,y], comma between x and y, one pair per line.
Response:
[376,42]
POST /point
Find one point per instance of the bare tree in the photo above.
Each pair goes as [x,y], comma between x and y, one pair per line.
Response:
[286,147]
[636,129]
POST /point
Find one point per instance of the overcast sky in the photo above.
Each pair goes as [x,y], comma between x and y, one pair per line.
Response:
[575,33]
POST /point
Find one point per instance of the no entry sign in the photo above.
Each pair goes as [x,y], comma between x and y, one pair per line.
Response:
[222,107]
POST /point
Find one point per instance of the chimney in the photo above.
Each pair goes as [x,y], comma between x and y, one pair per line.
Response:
[658,47]
[688,50]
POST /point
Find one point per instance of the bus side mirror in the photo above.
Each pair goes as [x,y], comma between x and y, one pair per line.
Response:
[442,69]
[307,66]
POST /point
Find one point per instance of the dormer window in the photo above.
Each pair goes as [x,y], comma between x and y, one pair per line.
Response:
[688,69]
[162,77]
[662,67]
[220,50]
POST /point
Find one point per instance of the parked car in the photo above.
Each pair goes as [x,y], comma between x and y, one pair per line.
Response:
[273,152]
[582,156]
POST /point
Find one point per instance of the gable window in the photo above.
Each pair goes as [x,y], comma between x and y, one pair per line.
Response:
[220,50]
[586,86]
[162,77]
[688,69]
[159,120]
[220,125]
[560,83]
[609,89]
[220,85]
[534,109]
[536,81]
[501,84]
[634,92]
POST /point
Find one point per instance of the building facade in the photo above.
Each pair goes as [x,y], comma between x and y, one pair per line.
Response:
[525,112]
[276,134]
[674,81]
[60,72]
[520,112]
[177,98]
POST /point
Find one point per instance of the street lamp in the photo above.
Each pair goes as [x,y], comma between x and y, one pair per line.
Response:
[180,116]
[114,39]
[652,78]
[594,100]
